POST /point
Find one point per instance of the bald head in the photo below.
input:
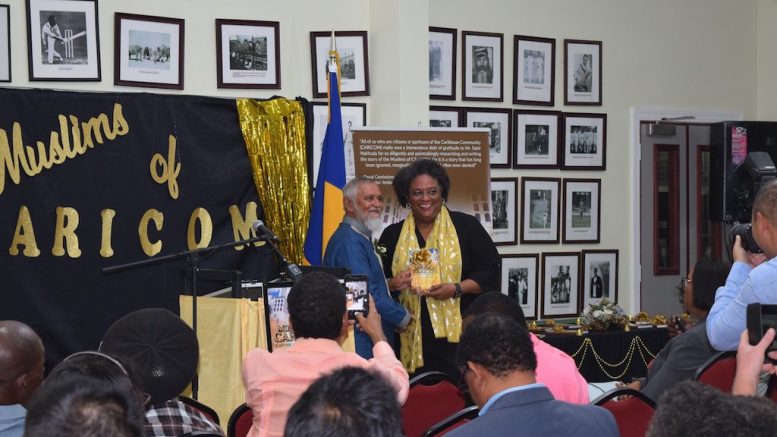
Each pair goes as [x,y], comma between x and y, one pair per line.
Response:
[766,202]
[21,362]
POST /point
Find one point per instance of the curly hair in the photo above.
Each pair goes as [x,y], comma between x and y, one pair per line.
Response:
[708,275]
[316,306]
[497,343]
[405,176]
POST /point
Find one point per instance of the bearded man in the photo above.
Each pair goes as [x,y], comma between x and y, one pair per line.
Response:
[352,246]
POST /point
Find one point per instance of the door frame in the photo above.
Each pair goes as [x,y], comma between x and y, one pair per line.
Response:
[639,114]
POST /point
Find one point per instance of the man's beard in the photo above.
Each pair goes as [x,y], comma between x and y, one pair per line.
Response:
[371,222]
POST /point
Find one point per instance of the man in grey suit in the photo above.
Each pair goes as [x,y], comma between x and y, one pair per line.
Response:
[497,364]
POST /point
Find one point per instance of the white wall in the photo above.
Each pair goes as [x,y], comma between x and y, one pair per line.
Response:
[690,53]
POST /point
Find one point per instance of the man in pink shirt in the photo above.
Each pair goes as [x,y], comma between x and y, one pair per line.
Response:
[555,368]
[274,381]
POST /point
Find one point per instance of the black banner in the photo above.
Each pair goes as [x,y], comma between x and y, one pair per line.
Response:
[92,180]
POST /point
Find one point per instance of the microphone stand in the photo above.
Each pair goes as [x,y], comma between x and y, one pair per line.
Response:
[192,258]
[292,270]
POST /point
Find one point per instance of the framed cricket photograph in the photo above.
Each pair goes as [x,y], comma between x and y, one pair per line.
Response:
[444,116]
[353,115]
[442,63]
[582,205]
[583,76]
[354,62]
[519,281]
[585,142]
[504,211]
[63,40]
[560,284]
[500,132]
[5,43]
[536,139]
[539,210]
[481,67]
[600,276]
[149,51]
[248,54]
[534,70]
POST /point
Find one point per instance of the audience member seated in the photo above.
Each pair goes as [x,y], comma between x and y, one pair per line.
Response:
[682,356]
[21,372]
[497,363]
[555,369]
[694,409]
[350,402]
[274,381]
[82,406]
[164,351]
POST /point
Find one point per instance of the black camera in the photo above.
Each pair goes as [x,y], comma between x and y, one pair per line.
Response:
[761,317]
[745,232]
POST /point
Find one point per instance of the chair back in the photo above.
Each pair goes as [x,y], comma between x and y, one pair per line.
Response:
[453,421]
[433,397]
[719,371]
[240,421]
[632,415]
[204,409]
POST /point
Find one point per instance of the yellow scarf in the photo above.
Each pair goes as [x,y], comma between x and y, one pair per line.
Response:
[445,314]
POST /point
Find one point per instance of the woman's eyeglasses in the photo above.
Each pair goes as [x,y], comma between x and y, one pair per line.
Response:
[432,192]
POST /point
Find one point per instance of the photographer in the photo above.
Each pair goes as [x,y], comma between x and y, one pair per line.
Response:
[752,277]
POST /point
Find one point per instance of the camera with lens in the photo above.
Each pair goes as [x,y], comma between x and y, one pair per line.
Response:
[745,232]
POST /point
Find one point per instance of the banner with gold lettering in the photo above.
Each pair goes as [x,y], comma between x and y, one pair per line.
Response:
[91,180]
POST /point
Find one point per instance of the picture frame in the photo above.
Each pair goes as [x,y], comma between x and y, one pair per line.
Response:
[519,281]
[280,335]
[497,121]
[534,70]
[5,43]
[585,142]
[583,76]
[582,211]
[605,262]
[540,210]
[481,67]
[354,62]
[149,51]
[442,63]
[504,211]
[248,54]
[70,50]
[444,116]
[560,284]
[352,114]
[536,139]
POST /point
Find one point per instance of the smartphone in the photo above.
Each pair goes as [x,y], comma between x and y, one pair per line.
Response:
[761,317]
[356,295]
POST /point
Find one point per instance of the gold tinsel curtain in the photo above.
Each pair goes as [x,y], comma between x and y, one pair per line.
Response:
[274,133]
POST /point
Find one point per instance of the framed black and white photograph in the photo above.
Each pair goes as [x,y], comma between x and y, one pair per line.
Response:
[600,276]
[5,43]
[248,54]
[444,116]
[560,284]
[149,51]
[63,40]
[540,210]
[583,76]
[481,67]
[500,132]
[534,70]
[585,142]
[519,281]
[504,211]
[582,205]
[354,62]
[442,63]
[536,139]
[353,115]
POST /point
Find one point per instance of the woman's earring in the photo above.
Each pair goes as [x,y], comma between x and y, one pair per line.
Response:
[407,205]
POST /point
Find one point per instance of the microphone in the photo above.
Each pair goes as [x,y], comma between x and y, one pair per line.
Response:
[263,231]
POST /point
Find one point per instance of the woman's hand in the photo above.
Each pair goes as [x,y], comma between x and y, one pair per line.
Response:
[400,281]
[442,291]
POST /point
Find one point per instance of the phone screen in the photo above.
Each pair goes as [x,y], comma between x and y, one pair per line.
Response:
[356,295]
